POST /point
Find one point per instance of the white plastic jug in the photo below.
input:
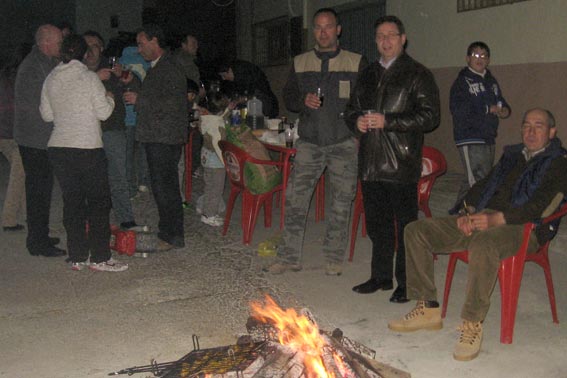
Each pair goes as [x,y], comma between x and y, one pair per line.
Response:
[254,107]
[255,117]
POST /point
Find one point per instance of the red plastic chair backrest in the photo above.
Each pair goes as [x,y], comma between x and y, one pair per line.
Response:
[433,165]
[235,159]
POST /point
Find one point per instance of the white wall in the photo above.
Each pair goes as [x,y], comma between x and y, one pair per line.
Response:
[95,15]
[526,32]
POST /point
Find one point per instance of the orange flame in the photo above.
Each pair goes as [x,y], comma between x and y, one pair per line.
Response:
[297,332]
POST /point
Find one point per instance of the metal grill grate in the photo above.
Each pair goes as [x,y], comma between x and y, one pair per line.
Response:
[221,360]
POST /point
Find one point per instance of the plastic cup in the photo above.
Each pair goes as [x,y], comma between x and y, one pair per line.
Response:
[370,111]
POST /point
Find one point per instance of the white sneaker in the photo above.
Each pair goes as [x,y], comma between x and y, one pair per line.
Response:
[110,265]
[214,221]
[79,265]
[143,189]
[140,228]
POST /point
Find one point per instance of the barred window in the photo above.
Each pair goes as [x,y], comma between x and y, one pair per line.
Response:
[271,42]
[469,5]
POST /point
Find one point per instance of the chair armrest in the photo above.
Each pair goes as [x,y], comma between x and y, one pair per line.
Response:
[556,215]
[281,149]
[253,160]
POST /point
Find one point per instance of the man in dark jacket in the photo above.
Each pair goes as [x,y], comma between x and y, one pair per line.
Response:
[162,128]
[476,104]
[528,183]
[325,142]
[394,103]
[244,78]
[31,134]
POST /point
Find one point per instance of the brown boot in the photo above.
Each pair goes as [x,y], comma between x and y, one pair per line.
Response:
[468,346]
[420,317]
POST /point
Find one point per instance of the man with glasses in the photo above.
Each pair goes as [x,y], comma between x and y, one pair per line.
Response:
[528,183]
[395,101]
[476,104]
[318,88]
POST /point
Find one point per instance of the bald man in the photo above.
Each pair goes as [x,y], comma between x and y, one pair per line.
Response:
[31,134]
[528,183]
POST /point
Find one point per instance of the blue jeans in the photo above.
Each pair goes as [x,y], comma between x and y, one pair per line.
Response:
[115,150]
[136,162]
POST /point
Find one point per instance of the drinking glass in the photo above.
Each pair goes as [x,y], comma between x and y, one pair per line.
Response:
[112,60]
[288,135]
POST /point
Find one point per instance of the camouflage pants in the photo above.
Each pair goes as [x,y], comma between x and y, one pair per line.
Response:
[341,161]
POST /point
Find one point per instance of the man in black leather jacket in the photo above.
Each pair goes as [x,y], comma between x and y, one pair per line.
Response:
[393,104]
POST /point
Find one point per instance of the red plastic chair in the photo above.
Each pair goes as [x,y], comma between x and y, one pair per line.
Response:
[320,199]
[234,160]
[510,277]
[433,165]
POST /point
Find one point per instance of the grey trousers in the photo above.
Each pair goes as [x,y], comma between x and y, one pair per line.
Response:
[477,160]
[486,249]
[341,161]
[214,187]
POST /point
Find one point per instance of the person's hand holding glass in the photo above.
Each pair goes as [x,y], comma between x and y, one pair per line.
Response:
[370,121]
[129,97]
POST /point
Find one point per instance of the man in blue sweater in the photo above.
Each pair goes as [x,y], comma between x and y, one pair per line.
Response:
[476,104]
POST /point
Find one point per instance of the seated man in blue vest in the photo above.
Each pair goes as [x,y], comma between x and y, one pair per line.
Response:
[528,182]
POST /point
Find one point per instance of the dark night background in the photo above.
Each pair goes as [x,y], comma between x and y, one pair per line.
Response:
[213,25]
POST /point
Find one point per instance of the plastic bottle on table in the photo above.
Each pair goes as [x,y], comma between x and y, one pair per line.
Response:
[255,118]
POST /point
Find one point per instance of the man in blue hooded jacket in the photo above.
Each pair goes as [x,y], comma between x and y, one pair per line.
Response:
[476,104]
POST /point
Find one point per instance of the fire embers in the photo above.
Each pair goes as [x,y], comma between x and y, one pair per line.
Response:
[304,350]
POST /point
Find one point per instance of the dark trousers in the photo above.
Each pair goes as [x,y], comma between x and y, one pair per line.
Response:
[83,176]
[162,163]
[388,208]
[39,185]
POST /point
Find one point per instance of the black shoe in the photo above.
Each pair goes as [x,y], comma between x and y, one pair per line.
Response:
[127,225]
[373,285]
[18,227]
[49,252]
[399,295]
[54,241]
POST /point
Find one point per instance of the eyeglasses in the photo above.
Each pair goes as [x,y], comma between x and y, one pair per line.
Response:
[534,128]
[383,37]
[479,56]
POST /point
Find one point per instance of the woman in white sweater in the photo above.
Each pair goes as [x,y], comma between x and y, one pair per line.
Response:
[75,100]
